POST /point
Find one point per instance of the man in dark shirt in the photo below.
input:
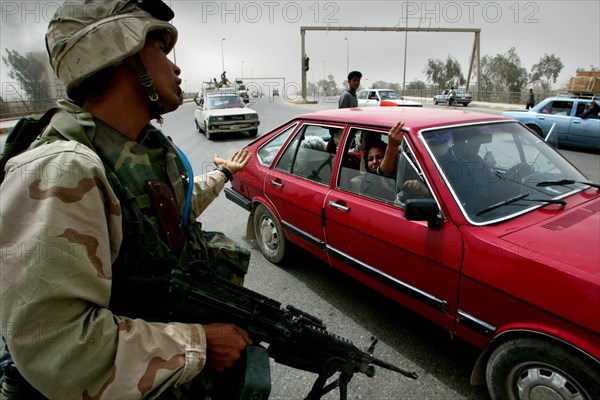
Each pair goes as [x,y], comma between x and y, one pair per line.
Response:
[348,98]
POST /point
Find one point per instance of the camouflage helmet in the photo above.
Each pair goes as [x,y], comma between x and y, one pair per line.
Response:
[87,36]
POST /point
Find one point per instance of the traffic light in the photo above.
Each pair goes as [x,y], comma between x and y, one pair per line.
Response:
[306,60]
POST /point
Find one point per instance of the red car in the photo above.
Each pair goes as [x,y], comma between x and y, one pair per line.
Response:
[483,228]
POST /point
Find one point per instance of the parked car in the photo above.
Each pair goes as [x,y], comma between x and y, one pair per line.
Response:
[462,97]
[382,98]
[563,113]
[484,229]
[221,112]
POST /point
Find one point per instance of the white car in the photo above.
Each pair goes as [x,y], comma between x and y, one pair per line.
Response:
[383,98]
[224,112]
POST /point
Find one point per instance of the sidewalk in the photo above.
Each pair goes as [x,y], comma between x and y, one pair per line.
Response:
[6,125]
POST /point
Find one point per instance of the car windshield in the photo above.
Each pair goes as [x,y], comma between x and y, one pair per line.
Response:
[219,102]
[390,95]
[496,171]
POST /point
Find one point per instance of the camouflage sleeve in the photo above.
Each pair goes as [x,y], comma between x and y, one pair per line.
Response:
[206,188]
[60,232]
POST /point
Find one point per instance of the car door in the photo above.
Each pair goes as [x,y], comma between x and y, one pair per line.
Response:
[362,98]
[372,99]
[557,113]
[298,184]
[369,238]
[584,132]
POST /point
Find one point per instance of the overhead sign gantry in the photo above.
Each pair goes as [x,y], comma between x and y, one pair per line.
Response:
[475,53]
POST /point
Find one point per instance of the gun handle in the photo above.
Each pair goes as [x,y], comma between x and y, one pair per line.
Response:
[249,378]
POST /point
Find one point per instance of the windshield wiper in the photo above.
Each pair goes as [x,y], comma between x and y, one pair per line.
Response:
[517,198]
[567,182]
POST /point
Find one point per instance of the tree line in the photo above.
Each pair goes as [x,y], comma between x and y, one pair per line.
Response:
[499,73]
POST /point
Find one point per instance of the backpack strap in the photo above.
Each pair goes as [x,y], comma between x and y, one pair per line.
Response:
[78,127]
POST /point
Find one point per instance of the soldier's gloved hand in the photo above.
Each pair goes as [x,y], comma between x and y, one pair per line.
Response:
[235,162]
[224,345]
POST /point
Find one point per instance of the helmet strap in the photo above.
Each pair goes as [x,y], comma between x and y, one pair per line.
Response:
[147,84]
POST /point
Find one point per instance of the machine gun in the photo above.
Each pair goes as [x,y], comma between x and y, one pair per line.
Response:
[295,338]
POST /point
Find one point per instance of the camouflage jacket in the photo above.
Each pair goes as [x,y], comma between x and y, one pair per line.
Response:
[61,232]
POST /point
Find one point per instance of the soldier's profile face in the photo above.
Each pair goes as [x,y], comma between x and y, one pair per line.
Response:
[165,74]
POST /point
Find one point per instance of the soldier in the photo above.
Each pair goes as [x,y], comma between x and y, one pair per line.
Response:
[101,202]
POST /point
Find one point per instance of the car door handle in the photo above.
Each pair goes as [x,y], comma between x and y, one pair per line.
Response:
[275,183]
[576,121]
[338,206]
[542,118]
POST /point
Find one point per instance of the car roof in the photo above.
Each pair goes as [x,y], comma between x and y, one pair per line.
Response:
[414,118]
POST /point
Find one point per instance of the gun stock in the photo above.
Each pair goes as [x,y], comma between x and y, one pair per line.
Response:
[294,337]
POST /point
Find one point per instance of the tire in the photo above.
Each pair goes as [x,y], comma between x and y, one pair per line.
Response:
[253,132]
[465,104]
[207,133]
[270,238]
[536,129]
[535,369]
[198,126]
[435,103]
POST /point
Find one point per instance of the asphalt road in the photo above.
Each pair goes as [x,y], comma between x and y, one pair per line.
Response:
[347,307]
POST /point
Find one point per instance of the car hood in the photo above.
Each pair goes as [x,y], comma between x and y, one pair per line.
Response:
[398,102]
[230,111]
[570,238]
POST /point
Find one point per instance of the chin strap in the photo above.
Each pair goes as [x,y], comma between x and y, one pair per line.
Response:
[146,82]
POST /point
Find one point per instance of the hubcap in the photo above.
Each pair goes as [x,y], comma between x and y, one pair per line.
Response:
[268,235]
[539,383]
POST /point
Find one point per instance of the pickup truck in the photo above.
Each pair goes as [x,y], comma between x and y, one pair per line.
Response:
[462,97]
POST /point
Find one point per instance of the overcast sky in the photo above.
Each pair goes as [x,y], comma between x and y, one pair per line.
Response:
[262,38]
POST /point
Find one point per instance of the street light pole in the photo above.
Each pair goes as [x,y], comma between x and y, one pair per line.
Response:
[324,70]
[242,69]
[222,55]
[405,52]
[347,55]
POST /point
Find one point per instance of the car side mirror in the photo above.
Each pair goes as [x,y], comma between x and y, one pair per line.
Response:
[423,210]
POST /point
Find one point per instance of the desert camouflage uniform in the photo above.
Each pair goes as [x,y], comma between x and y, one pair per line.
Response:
[63,231]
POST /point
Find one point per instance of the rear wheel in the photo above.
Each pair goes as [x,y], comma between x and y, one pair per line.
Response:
[269,236]
[536,129]
[533,369]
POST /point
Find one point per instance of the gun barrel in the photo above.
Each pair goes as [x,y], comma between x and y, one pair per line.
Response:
[392,367]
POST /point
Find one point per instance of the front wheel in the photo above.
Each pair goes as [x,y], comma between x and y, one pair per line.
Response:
[533,369]
[209,135]
[269,236]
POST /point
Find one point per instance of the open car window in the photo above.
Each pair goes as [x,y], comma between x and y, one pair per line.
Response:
[354,175]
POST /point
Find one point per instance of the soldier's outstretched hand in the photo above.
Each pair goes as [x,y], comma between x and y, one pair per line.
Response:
[235,162]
